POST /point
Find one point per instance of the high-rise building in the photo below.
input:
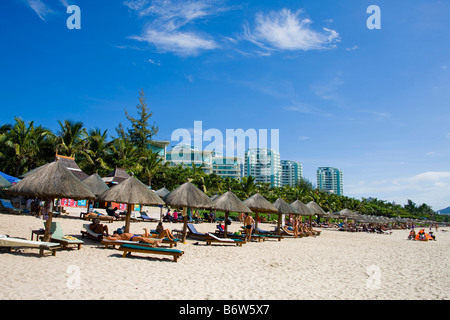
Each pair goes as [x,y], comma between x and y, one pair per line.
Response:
[227,167]
[330,180]
[263,165]
[291,172]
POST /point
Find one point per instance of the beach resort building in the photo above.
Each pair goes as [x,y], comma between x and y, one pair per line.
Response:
[227,166]
[264,165]
[291,172]
[159,147]
[330,180]
[189,156]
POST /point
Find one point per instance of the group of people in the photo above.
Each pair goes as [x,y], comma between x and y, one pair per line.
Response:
[421,235]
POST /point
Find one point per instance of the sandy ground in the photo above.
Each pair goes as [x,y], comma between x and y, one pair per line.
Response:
[335,265]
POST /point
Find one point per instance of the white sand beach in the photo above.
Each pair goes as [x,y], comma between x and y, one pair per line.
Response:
[334,265]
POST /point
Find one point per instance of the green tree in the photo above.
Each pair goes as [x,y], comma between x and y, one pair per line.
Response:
[71,138]
[141,133]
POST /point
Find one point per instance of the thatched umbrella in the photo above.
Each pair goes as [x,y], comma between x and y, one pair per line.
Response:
[131,191]
[303,209]
[229,202]
[162,192]
[96,184]
[52,181]
[258,204]
[315,210]
[188,196]
[283,208]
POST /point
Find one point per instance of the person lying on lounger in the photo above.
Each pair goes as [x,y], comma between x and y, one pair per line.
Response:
[135,237]
[162,233]
[97,227]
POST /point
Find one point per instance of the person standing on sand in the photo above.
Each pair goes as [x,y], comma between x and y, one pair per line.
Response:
[248,225]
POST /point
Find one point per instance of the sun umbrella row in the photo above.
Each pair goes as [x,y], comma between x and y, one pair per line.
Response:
[56,181]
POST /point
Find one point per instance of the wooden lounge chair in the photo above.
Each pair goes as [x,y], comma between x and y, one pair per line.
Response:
[58,236]
[17,243]
[129,248]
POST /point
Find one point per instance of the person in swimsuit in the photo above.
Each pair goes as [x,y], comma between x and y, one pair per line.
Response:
[248,225]
[135,237]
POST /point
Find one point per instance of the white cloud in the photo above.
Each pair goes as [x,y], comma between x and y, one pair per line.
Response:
[41,9]
[285,30]
[170,16]
[448,135]
[182,43]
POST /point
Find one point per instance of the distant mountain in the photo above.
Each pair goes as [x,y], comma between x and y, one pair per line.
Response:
[445,211]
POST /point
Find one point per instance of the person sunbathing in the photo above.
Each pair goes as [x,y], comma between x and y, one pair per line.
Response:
[135,238]
[97,227]
[161,233]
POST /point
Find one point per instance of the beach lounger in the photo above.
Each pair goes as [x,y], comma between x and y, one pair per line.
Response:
[16,243]
[145,217]
[100,217]
[269,234]
[7,205]
[214,239]
[129,248]
[58,236]
[87,232]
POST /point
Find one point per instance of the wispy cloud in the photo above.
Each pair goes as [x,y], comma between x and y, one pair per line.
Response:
[170,19]
[286,30]
[41,9]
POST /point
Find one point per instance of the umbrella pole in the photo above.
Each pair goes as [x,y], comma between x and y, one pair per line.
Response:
[185,220]
[310,222]
[256,222]
[127,219]
[225,225]
[48,223]
[279,224]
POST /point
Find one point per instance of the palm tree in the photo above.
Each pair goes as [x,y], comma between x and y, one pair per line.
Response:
[150,164]
[96,152]
[24,146]
[71,138]
[248,186]
[122,154]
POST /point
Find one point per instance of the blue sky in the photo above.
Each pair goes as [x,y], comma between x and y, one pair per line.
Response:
[373,103]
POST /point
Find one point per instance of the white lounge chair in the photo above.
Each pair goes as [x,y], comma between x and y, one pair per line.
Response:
[17,243]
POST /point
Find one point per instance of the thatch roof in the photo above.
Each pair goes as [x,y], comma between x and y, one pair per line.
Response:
[162,192]
[229,202]
[70,163]
[4,183]
[301,208]
[315,208]
[131,191]
[117,176]
[52,180]
[284,207]
[189,196]
[95,184]
[257,203]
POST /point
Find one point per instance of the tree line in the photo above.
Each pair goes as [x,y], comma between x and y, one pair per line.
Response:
[25,146]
